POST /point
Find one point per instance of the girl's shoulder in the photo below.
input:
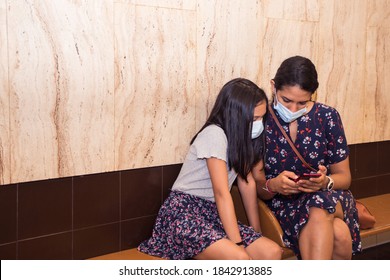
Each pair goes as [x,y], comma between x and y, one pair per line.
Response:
[212,133]
[211,130]
[210,142]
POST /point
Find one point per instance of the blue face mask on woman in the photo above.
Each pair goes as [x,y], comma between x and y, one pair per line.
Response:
[257,128]
[285,113]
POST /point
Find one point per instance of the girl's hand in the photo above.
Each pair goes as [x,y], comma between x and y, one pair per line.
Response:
[314,184]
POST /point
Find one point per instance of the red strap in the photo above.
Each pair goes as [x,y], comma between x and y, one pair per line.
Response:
[271,110]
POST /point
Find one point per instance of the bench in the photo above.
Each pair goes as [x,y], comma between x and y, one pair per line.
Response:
[129,254]
[378,205]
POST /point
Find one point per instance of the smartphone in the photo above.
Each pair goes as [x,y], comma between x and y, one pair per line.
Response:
[307,176]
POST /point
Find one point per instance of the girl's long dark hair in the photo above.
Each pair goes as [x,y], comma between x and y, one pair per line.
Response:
[233,112]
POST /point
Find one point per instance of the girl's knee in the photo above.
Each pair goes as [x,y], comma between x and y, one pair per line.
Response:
[242,255]
[274,252]
[265,249]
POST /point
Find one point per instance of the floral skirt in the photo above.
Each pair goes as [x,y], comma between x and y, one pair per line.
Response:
[186,225]
[292,213]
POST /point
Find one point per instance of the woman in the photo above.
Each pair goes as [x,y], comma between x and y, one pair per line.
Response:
[318,215]
[198,220]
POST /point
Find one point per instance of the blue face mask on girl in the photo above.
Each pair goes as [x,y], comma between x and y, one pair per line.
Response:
[257,128]
[285,113]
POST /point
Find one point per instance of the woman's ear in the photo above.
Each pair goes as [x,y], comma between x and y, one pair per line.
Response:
[273,89]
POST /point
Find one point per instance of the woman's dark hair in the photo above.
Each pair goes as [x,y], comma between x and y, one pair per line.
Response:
[233,112]
[297,70]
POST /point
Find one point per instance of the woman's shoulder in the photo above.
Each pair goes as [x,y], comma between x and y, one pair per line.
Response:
[329,116]
[321,108]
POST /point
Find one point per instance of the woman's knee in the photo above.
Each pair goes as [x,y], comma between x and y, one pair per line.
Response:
[319,215]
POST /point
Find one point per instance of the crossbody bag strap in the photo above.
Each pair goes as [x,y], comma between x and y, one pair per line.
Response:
[271,110]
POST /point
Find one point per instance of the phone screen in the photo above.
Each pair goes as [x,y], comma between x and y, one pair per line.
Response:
[307,176]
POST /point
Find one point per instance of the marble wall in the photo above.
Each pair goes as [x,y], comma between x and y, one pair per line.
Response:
[90,86]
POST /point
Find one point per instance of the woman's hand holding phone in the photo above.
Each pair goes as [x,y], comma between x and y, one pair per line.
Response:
[307,176]
[312,182]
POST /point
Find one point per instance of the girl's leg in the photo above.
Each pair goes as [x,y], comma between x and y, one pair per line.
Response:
[264,249]
[223,249]
[316,238]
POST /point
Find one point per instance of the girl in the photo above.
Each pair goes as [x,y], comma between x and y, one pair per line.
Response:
[198,220]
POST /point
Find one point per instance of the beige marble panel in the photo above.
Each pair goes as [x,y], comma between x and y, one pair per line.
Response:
[376,117]
[378,13]
[229,36]
[155,82]
[61,88]
[283,39]
[4,99]
[341,65]
[377,86]
[300,10]
[171,4]
[81,93]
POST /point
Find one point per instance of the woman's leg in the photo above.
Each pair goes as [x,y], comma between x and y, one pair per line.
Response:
[316,238]
[223,249]
[264,249]
[342,248]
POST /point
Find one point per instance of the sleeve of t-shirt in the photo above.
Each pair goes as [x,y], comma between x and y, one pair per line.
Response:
[211,142]
[337,143]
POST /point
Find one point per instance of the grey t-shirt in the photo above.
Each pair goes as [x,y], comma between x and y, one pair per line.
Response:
[194,177]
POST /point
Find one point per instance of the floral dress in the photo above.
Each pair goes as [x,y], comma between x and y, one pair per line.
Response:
[186,225]
[320,140]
